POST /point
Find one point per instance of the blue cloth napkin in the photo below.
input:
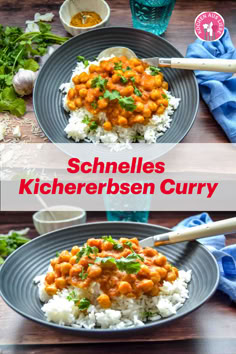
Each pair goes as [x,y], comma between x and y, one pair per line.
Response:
[225,256]
[217,89]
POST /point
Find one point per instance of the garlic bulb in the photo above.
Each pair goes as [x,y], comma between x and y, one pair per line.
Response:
[23,82]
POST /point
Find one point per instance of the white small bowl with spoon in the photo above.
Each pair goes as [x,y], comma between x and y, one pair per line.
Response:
[58,217]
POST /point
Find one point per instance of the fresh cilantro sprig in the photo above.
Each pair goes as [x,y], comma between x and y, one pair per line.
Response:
[154,70]
[164,96]
[133,255]
[137,91]
[116,245]
[83,275]
[99,82]
[19,50]
[86,251]
[10,242]
[83,303]
[57,254]
[91,123]
[112,95]
[128,264]
[118,65]
[123,79]
[125,102]
[82,59]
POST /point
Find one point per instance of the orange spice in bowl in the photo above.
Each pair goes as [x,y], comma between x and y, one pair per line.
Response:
[85,19]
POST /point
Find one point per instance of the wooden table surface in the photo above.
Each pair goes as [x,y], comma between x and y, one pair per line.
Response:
[180,33]
[210,329]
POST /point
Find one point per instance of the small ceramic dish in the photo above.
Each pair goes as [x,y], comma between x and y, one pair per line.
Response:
[71,7]
[64,216]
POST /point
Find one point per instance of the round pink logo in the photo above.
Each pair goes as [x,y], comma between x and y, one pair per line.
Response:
[209,26]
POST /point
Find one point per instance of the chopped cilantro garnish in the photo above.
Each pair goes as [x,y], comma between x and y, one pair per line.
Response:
[154,70]
[83,60]
[86,251]
[72,296]
[99,82]
[118,66]
[83,275]
[123,80]
[84,304]
[116,245]
[127,103]
[132,79]
[133,255]
[94,104]
[93,125]
[164,96]
[57,254]
[114,95]
[137,92]
[86,119]
[128,264]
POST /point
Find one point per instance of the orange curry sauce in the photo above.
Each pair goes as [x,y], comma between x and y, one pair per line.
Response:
[79,269]
[128,78]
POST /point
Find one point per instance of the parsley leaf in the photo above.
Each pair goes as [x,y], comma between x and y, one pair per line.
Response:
[118,66]
[84,304]
[154,70]
[114,95]
[82,59]
[137,92]
[83,275]
[127,103]
[99,82]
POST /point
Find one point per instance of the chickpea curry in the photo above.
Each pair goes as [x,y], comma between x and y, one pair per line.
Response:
[123,89]
[120,267]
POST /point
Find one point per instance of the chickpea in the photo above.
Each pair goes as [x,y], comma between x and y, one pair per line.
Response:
[145,285]
[144,271]
[107,126]
[51,289]
[149,252]
[139,107]
[60,283]
[160,260]
[122,121]
[64,256]
[165,85]
[124,287]
[94,271]
[160,110]
[108,67]
[115,78]
[176,271]
[102,103]
[135,240]
[139,69]
[127,91]
[50,278]
[84,261]
[107,246]
[155,94]
[134,61]
[104,301]
[89,83]
[76,79]
[171,276]
[75,270]
[83,92]
[90,97]
[158,81]
[138,119]
[152,106]
[57,270]
[95,242]
[147,112]
[155,291]
[124,240]
[75,250]
[65,268]
[71,93]
[71,105]
[83,77]
[126,252]
[73,260]
[155,277]
[93,68]
[130,278]
[78,102]
[149,84]
[129,73]
[162,272]
[53,262]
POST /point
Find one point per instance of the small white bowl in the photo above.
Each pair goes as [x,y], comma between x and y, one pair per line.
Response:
[71,7]
[65,216]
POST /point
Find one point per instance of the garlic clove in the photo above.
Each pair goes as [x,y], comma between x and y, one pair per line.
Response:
[17,132]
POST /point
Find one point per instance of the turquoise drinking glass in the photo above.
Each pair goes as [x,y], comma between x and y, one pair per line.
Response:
[151,15]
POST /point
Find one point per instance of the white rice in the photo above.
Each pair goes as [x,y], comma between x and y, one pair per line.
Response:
[77,130]
[124,312]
